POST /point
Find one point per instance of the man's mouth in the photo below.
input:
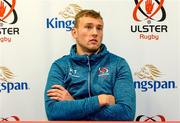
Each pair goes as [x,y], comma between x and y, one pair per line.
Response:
[93,41]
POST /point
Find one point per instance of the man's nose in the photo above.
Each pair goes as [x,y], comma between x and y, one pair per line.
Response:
[94,31]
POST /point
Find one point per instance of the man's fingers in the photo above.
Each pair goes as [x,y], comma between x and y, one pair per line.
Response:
[54,94]
[111,99]
[58,92]
[58,87]
[55,91]
[56,98]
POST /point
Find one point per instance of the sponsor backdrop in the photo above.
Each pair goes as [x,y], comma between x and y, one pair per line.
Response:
[35,33]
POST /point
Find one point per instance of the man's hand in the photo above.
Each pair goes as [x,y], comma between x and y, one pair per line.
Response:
[59,93]
[105,100]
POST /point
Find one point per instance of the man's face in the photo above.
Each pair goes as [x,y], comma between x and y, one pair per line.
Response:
[88,35]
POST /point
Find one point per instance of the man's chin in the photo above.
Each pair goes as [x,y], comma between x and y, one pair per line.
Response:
[94,46]
[93,49]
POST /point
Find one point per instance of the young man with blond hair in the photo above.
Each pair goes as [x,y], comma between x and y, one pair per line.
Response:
[90,83]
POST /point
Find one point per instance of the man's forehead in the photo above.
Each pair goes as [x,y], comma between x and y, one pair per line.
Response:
[91,20]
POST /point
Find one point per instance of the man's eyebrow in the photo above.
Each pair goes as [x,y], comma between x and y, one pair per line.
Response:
[92,24]
[100,25]
[88,23]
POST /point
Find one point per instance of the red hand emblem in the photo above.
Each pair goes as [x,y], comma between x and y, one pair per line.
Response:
[2,9]
[149,6]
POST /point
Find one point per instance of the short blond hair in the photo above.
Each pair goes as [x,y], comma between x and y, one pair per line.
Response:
[86,13]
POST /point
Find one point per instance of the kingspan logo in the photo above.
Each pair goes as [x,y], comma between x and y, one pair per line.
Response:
[149,79]
[8,17]
[66,19]
[8,86]
[150,12]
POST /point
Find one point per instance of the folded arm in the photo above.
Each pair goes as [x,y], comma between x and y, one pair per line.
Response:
[73,107]
[60,105]
[59,109]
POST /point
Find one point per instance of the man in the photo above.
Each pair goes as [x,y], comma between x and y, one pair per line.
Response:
[90,83]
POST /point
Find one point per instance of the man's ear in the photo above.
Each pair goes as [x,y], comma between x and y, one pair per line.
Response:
[74,33]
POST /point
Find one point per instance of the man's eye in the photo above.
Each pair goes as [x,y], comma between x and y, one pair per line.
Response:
[88,27]
[99,28]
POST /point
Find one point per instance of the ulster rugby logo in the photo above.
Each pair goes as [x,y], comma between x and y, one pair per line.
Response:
[103,71]
[146,14]
[6,10]
[11,118]
[8,16]
[143,118]
[151,8]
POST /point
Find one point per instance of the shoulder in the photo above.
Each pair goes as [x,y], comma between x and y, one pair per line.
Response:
[62,59]
[118,61]
[61,62]
[116,58]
